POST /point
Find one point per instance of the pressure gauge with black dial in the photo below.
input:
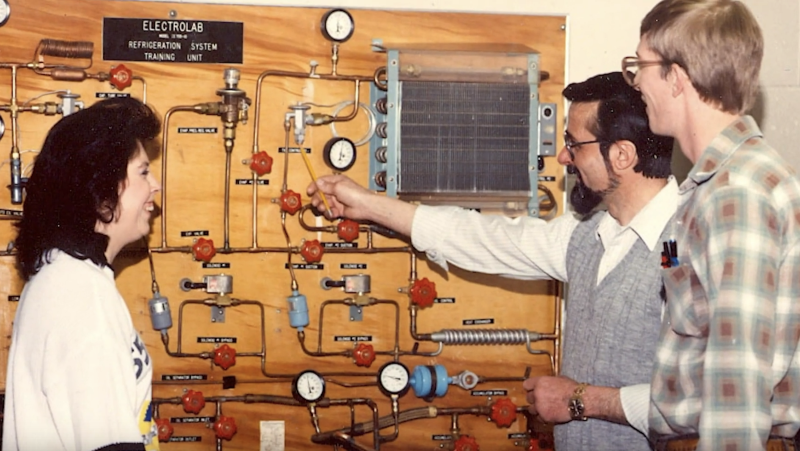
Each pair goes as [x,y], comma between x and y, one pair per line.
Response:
[337,25]
[339,153]
[394,379]
[308,386]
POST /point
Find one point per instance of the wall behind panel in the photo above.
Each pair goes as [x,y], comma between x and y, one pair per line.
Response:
[279,38]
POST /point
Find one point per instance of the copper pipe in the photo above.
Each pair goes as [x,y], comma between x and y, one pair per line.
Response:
[164,147]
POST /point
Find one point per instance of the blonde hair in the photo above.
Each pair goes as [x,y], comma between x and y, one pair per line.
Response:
[717,42]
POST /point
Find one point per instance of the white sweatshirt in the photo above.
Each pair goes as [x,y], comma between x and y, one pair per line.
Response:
[79,376]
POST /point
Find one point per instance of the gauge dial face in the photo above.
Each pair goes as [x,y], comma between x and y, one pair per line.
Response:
[394,378]
[337,25]
[5,12]
[340,154]
[309,386]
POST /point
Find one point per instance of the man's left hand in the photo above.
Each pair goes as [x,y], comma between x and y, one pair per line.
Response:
[549,396]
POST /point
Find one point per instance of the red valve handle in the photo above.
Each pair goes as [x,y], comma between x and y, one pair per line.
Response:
[291,202]
[261,163]
[225,427]
[364,354]
[347,230]
[504,412]
[165,429]
[423,292]
[541,441]
[225,356]
[311,251]
[466,443]
[120,77]
[193,401]
[203,250]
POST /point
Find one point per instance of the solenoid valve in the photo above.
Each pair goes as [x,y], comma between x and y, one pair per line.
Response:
[70,103]
[218,283]
[358,284]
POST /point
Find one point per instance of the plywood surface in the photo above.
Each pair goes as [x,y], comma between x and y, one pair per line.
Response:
[287,39]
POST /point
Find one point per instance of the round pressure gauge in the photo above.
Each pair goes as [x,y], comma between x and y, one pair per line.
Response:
[5,12]
[308,386]
[339,153]
[2,128]
[394,379]
[337,25]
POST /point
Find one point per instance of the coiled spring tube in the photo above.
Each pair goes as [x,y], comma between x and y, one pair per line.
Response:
[485,336]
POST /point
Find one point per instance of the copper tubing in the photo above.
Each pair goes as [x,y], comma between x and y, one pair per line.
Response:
[348,302]
[164,147]
[144,88]
[257,119]
[341,437]
[405,416]
[277,249]
[210,355]
[247,399]
[294,286]
[230,128]
[395,352]
[65,49]
[62,49]
[68,74]
[310,228]
[558,288]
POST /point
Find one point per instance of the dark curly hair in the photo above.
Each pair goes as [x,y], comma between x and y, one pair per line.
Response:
[76,180]
[622,115]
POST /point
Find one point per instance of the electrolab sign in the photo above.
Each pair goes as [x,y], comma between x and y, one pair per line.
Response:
[173,41]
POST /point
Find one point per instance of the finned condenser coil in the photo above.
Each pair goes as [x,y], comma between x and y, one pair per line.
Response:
[461,127]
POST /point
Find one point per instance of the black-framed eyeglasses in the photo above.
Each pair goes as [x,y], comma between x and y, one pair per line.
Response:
[572,146]
[632,64]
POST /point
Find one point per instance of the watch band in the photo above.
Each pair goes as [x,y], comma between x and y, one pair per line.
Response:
[575,405]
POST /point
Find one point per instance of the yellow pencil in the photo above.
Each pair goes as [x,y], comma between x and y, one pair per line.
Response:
[314,179]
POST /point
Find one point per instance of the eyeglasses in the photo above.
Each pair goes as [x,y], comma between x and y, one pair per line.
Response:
[632,64]
[572,146]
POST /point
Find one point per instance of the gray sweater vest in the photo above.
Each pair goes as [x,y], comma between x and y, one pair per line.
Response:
[610,332]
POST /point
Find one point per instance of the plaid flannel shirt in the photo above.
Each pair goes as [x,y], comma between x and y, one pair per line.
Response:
[728,364]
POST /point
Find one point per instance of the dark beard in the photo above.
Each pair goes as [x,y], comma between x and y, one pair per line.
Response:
[583,199]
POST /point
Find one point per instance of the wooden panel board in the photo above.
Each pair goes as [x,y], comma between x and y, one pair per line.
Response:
[286,39]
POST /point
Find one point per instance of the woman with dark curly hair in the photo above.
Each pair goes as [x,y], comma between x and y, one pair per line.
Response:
[79,375]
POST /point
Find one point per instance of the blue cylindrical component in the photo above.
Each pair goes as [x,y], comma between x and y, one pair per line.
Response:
[423,378]
[160,315]
[442,381]
[298,310]
[421,381]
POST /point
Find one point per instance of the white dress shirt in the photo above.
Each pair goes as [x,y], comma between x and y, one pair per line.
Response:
[533,249]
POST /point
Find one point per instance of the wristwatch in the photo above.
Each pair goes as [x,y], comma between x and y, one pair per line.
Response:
[575,405]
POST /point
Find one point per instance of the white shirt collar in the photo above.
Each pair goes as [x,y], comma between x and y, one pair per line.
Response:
[650,221]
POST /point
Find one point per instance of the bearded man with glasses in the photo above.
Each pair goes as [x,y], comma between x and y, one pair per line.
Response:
[610,256]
